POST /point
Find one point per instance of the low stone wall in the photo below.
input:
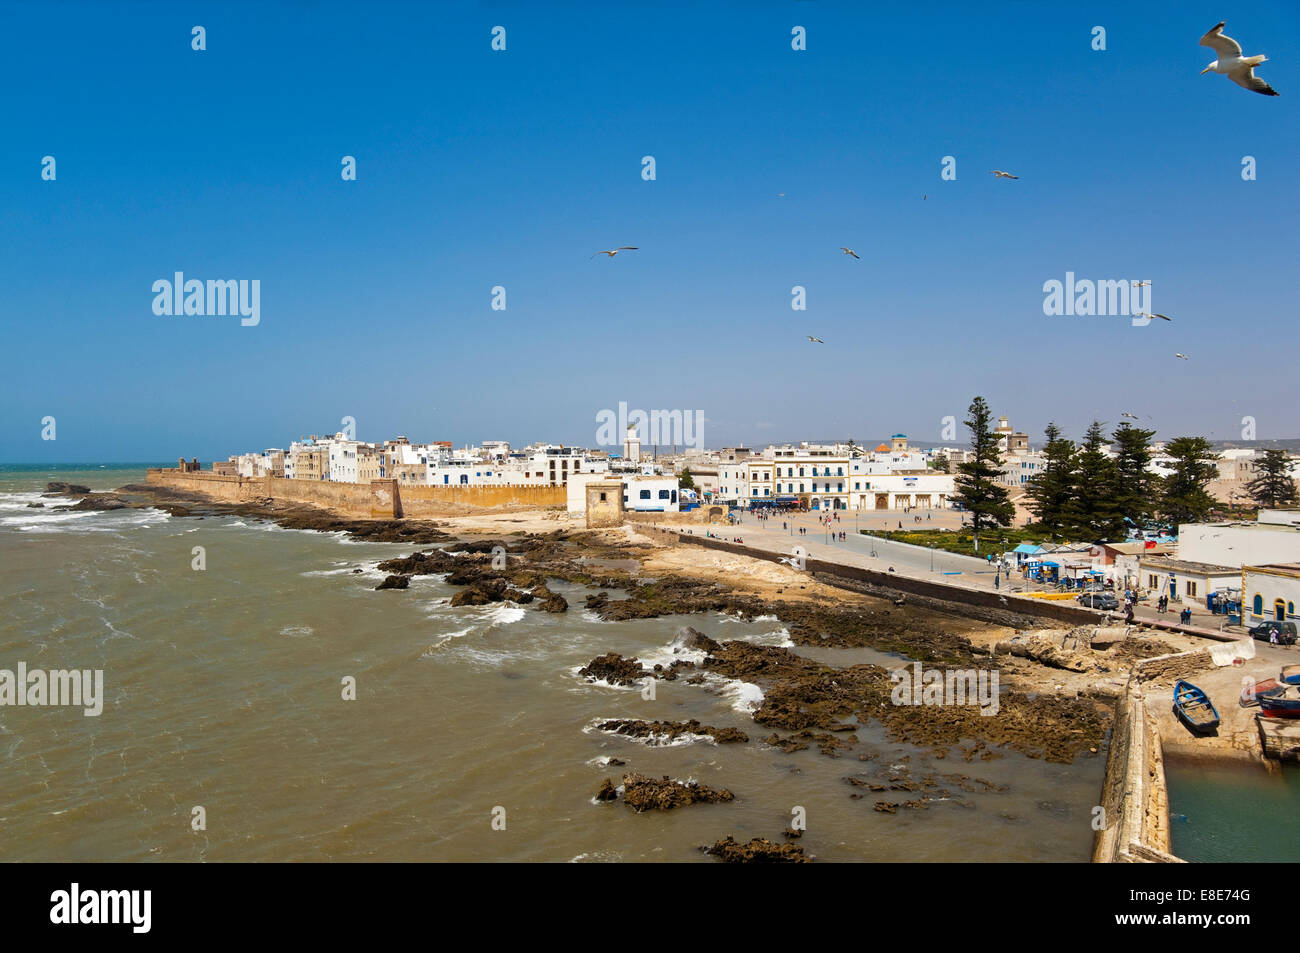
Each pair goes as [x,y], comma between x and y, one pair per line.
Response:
[1173,667]
[1134,798]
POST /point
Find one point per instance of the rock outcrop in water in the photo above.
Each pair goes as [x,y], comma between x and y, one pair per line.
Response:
[59,488]
[394,582]
[644,794]
[663,732]
[615,670]
[760,850]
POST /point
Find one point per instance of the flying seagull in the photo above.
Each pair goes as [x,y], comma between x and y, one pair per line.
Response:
[1183,356]
[815,340]
[1002,175]
[1139,284]
[1129,416]
[614,251]
[1148,314]
[850,251]
[1240,69]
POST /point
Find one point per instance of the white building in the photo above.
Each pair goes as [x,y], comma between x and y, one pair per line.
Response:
[641,494]
[1270,592]
[1270,540]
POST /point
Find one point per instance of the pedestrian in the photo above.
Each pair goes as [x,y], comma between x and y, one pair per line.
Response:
[1128,613]
[997,580]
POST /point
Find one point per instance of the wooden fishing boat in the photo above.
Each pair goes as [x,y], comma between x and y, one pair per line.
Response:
[1269,686]
[1194,709]
[1291,674]
[1281,704]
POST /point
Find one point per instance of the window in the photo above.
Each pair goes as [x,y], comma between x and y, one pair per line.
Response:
[1191,588]
[602,497]
[1258,607]
[839,471]
[1153,582]
[663,494]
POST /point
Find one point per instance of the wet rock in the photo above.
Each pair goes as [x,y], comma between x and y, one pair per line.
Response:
[394,582]
[100,501]
[642,793]
[690,639]
[887,807]
[68,489]
[792,833]
[607,791]
[556,603]
[663,732]
[757,851]
[614,669]
[36,506]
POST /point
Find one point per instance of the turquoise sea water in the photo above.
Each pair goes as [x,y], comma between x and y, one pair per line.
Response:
[1233,813]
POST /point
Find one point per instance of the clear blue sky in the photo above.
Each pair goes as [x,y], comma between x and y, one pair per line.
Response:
[479,168]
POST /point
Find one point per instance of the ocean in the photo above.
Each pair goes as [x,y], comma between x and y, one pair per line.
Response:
[224,691]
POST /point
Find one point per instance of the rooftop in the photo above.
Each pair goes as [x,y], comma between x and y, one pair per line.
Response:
[1182,565]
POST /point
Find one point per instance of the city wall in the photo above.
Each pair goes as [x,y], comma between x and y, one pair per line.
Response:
[378,499]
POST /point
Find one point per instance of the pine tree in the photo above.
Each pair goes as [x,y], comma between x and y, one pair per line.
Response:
[1184,499]
[976,483]
[1092,510]
[1137,488]
[686,481]
[1273,486]
[941,462]
[1052,487]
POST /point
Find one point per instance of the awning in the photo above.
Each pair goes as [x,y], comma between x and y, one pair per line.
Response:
[1052,564]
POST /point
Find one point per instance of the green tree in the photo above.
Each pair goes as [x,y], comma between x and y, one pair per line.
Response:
[940,463]
[1092,509]
[1051,488]
[686,481]
[976,483]
[1273,486]
[1184,499]
[1136,488]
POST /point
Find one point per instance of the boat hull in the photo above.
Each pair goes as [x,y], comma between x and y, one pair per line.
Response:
[1194,708]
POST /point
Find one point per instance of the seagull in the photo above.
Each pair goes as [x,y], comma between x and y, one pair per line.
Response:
[612,252]
[1129,416]
[1140,284]
[849,251]
[1183,356]
[1240,69]
[1002,175]
[780,195]
[815,340]
[1148,314]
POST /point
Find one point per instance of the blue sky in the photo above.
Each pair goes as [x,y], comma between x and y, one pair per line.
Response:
[479,168]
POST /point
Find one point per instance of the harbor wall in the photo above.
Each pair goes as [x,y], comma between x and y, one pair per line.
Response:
[1134,797]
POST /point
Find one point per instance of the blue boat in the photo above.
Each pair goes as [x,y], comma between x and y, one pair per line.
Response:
[1194,709]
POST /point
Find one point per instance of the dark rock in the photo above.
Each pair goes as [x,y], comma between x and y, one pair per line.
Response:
[71,489]
[395,582]
[607,791]
[757,851]
[642,793]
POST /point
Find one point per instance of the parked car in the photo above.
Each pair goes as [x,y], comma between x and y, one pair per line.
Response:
[1100,600]
[1264,631]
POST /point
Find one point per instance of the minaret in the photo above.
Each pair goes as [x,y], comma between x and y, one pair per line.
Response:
[632,446]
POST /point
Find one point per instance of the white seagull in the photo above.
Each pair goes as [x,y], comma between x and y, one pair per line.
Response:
[1148,314]
[1129,416]
[815,340]
[1183,356]
[850,251]
[1002,175]
[1139,284]
[1240,69]
[614,251]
